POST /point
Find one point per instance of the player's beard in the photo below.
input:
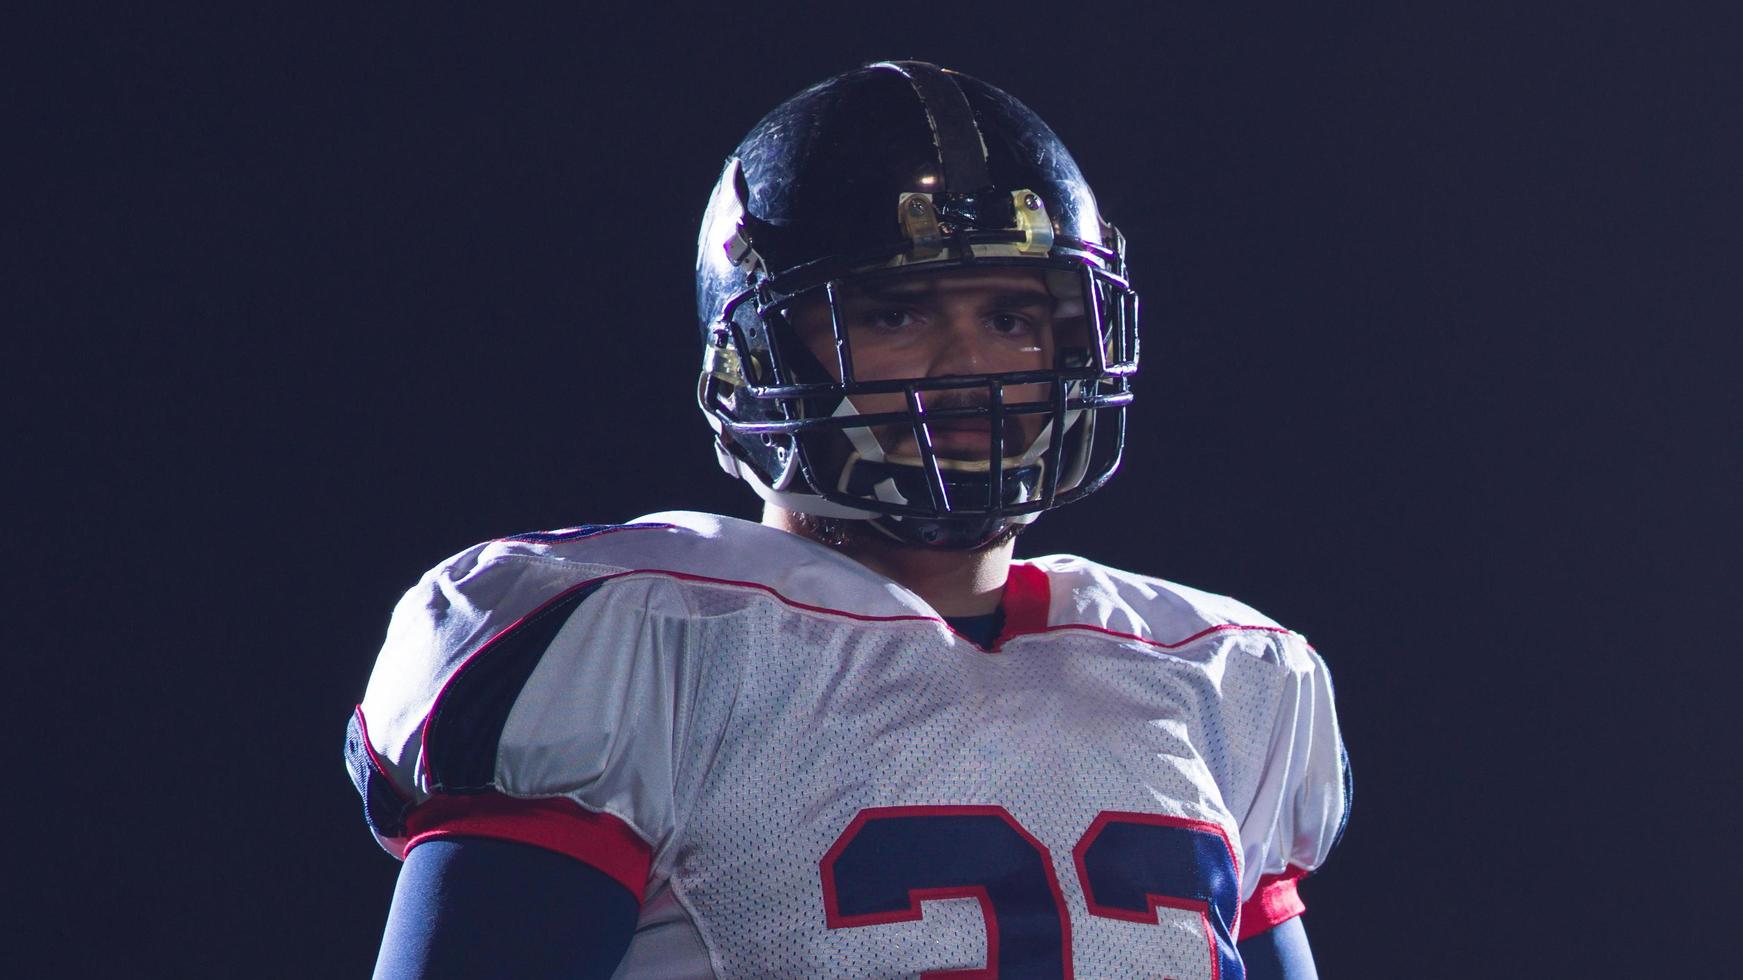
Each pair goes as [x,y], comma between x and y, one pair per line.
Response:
[834,449]
[1014,436]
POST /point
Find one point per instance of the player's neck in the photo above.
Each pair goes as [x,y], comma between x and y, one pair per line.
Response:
[955,583]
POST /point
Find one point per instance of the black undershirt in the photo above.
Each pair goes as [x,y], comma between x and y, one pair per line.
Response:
[980,630]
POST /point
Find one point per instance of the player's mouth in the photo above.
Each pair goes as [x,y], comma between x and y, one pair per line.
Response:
[968,438]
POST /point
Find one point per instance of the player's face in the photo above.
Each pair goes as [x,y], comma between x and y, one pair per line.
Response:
[932,325]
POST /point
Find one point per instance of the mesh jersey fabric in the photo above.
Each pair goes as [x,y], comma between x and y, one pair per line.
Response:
[731,697]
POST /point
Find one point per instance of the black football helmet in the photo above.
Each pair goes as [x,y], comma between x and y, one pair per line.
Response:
[901,169]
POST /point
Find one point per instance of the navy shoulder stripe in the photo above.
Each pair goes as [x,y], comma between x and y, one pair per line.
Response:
[383,807]
[466,723]
[576,533]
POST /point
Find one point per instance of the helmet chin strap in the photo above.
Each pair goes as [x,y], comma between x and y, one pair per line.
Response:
[955,534]
[870,469]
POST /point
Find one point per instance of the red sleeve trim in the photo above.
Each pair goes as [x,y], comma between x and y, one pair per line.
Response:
[598,840]
[1274,902]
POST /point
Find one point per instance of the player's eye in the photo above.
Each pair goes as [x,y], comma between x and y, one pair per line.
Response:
[889,320]
[1010,324]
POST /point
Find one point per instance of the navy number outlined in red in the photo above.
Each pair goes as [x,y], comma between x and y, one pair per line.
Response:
[890,860]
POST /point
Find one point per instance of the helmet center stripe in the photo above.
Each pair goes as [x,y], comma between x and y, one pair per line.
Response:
[961,148]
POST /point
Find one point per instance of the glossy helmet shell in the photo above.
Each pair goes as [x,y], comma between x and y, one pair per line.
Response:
[891,169]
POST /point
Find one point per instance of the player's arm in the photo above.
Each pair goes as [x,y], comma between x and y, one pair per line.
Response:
[474,907]
[1296,819]
[1279,953]
[516,747]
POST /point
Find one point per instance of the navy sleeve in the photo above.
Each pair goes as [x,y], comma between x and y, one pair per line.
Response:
[475,907]
[1279,953]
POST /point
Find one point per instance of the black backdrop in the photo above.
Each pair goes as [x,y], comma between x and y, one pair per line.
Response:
[1440,315]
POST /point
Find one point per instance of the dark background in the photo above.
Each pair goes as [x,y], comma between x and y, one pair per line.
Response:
[1440,351]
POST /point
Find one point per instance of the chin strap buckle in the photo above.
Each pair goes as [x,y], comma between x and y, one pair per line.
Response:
[727,460]
[741,253]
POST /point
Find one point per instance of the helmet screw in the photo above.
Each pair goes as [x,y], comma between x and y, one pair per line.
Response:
[1031,202]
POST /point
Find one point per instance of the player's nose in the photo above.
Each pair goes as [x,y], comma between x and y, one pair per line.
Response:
[959,347]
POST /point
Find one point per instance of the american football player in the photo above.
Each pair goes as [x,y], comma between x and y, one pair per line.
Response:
[859,738]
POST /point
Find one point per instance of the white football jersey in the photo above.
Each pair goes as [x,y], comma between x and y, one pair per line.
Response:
[802,771]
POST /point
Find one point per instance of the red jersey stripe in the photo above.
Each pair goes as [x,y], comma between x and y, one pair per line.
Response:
[598,840]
